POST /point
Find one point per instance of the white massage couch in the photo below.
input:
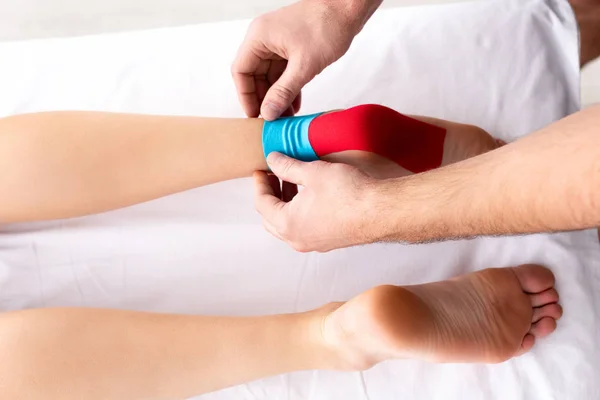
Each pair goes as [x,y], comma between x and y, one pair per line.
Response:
[509,66]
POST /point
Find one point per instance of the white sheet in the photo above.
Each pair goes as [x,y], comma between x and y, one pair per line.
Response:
[508,66]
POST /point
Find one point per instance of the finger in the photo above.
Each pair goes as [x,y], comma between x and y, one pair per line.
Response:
[297,103]
[249,72]
[289,112]
[294,108]
[287,168]
[283,92]
[265,201]
[262,87]
[275,71]
[288,191]
[275,185]
[246,90]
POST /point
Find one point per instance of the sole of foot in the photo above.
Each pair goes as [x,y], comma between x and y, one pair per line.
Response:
[487,316]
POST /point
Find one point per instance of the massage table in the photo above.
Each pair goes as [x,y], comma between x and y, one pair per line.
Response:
[508,66]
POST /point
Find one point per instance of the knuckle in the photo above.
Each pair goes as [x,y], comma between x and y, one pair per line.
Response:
[236,62]
[300,247]
[267,227]
[257,26]
[334,169]
[234,68]
[319,166]
[283,229]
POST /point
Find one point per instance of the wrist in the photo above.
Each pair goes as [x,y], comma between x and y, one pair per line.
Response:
[352,13]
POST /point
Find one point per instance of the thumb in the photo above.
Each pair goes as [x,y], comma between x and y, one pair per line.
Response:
[288,169]
[285,90]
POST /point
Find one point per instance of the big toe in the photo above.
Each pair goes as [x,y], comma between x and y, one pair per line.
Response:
[534,278]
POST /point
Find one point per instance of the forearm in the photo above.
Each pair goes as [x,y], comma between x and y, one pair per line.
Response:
[108,354]
[67,164]
[547,181]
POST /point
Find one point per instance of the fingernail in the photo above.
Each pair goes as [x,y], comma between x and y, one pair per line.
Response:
[271,111]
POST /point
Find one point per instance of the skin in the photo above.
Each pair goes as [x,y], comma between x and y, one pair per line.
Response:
[306,222]
[125,159]
[71,353]
[285,49]
[67,164]
[502,192]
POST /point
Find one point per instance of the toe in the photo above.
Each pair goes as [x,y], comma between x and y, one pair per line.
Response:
[546,297]
[543,327]
[526,344]
[534,278]
[549,310]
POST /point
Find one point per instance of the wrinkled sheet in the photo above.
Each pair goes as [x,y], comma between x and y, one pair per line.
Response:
[508,66]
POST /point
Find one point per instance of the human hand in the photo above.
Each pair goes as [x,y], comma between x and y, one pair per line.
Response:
[331,211]
[285,49]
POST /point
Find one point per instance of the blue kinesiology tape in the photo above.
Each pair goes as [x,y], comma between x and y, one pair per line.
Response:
[289,135]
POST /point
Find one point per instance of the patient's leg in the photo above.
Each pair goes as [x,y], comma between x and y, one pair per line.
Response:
[68,164]
[487,316]
[398,145]
[377,139]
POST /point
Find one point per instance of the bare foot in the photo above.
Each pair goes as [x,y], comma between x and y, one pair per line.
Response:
[462,142]
[487,316]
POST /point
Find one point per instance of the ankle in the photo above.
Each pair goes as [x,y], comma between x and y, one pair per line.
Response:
[348,352]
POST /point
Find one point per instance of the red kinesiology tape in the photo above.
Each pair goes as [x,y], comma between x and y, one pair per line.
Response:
[414,145]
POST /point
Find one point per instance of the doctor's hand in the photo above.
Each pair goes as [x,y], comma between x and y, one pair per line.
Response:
[332,211]
[285,49]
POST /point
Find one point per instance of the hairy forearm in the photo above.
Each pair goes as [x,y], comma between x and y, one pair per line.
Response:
[109,354]
[67,164]
[547,181]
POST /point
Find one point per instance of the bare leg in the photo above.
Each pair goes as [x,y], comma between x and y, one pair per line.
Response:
[488,316]
[462,142]
[69,164]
